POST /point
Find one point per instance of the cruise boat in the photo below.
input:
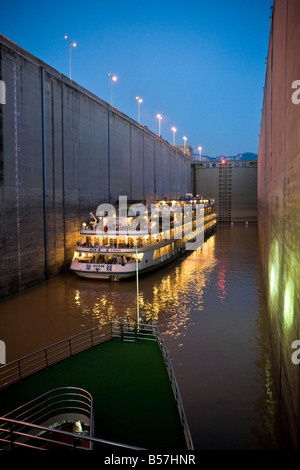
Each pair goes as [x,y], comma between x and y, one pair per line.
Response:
[120,240]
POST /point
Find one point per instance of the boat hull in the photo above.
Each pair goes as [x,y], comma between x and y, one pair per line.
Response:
[117,275]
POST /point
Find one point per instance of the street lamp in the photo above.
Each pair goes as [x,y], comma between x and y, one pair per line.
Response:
[139,100]
[71,44]
[113,78]
[199,148]
[174,130]
[185,139]
[159,117]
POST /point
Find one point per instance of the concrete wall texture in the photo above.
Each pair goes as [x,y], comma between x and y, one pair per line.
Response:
[233,185]
[64,151]
[278,205]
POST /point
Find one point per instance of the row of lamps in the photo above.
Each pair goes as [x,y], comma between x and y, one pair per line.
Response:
[114,78]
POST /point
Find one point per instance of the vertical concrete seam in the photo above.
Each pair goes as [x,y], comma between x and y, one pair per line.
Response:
[130,162]
[63,172]
[16,150]
[154,170]
[284,176]
[53,156]
[108,152]
[144,192]
[43,105]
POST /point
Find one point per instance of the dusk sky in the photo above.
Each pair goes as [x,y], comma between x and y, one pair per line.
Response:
[201,64]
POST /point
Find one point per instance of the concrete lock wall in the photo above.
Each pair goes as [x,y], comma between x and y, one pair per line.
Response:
[278,205]
[64,151]
[233,185]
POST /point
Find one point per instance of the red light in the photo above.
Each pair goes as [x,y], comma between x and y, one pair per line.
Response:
[223,161]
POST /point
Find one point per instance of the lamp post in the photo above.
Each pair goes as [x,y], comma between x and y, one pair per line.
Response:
[159,117]
[71,44]
[199,148]
[174,130]
[184,139]
[113,78]
[139,100]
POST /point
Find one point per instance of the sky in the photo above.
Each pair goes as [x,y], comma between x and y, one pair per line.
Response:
[199,63]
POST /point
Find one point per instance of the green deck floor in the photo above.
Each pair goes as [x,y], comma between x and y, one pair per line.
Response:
[133,400]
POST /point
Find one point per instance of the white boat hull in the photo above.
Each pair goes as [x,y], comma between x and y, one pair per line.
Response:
[115,272]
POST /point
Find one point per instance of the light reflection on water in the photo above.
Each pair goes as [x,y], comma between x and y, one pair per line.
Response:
[211,310]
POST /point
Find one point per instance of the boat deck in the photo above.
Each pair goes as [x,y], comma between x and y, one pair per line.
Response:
[133,399]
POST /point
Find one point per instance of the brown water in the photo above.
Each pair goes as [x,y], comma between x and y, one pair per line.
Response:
[211,310]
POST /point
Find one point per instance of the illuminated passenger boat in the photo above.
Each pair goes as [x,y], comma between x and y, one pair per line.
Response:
[115,243]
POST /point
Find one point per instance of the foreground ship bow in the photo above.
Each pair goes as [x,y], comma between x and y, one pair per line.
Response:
[109,388]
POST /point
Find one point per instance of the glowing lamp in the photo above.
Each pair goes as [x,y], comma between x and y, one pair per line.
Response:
[77,427]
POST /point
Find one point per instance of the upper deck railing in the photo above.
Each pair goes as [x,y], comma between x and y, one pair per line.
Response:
[129,331]
[35,423]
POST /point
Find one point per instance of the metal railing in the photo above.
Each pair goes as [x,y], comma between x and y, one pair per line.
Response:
[56,408]
[17,370]
[132,331]
[128,331]
[175,388]
[32,436]
[53,403]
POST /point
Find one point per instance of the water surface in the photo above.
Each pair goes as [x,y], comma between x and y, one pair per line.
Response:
[211,309]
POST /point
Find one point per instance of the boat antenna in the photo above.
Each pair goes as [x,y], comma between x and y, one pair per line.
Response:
[92,215]
[137,286]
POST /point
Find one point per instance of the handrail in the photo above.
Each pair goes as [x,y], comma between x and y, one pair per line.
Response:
[13,433]
[130,331]
[140,330]
[16,370]
[69,403]
[175,388]
[74,394]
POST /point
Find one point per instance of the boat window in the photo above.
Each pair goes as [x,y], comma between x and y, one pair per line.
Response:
[163,250]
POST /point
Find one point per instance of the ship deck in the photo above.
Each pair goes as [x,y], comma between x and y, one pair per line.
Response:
[133,400]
